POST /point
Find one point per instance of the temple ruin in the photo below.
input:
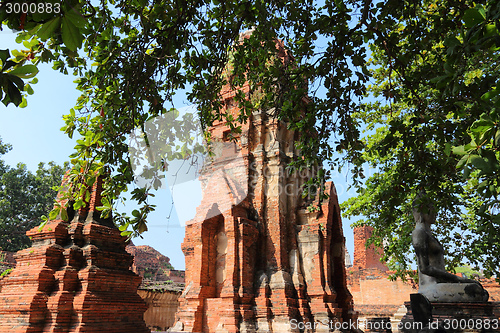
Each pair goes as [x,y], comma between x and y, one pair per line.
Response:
[75,278]
[257,259]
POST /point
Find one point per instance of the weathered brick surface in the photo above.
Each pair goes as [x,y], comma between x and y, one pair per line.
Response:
[374,295]
[366,257]
[493,288]
[7,262]
[152,265]
[162,306]
[254,264]
[75,278]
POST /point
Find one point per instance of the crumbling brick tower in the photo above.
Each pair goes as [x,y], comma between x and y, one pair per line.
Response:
[75,278]
[366,257]
[260,261]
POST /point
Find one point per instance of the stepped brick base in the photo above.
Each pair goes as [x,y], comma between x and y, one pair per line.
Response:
[75,278]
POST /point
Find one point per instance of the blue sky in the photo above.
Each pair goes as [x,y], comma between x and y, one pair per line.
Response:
[34,132]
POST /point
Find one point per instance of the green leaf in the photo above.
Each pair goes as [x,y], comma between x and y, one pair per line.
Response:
[78,204]
[460,150]
[482,185]
[28,89]
[126,233]
[447,149]
[22,36]
[64,214]
[462,161]
[16,80]
[482,129]
[25,72]
[474,16]
[47,30]
[53,213]
[24,103]
[123,227]
[142,227]
[71,35]
[482,163]
[452,41]
[44,222]
[13,94]
[4,55]
[76,18]
[490,94]
[8,64]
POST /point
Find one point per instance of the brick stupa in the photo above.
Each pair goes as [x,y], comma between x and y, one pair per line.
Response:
[257,260]
[75,278]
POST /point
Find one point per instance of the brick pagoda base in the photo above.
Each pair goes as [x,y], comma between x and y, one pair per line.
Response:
[75,278]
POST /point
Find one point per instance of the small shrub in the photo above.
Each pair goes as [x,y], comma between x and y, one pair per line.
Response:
[6,272]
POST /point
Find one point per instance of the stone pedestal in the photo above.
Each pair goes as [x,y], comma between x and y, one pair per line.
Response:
[75,278]
[457,318]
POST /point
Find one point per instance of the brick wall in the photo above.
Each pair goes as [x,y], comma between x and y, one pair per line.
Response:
[366,257]
[373,293]
[492,287]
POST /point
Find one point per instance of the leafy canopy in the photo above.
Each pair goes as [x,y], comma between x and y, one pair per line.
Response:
[435,129]
[432,83]
[24,198]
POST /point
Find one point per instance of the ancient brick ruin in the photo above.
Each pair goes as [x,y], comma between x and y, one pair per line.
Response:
[75,278]
[375,296]
[162,301]
[257,262]
[366,257]
[7,262]
[151,265]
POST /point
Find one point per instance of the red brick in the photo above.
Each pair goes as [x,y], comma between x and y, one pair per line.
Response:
[75,278]
[281,262]
[366,257]
[155,265]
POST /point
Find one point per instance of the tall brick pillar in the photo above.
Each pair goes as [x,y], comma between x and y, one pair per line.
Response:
[75,278]
[256,259]
[366,257]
